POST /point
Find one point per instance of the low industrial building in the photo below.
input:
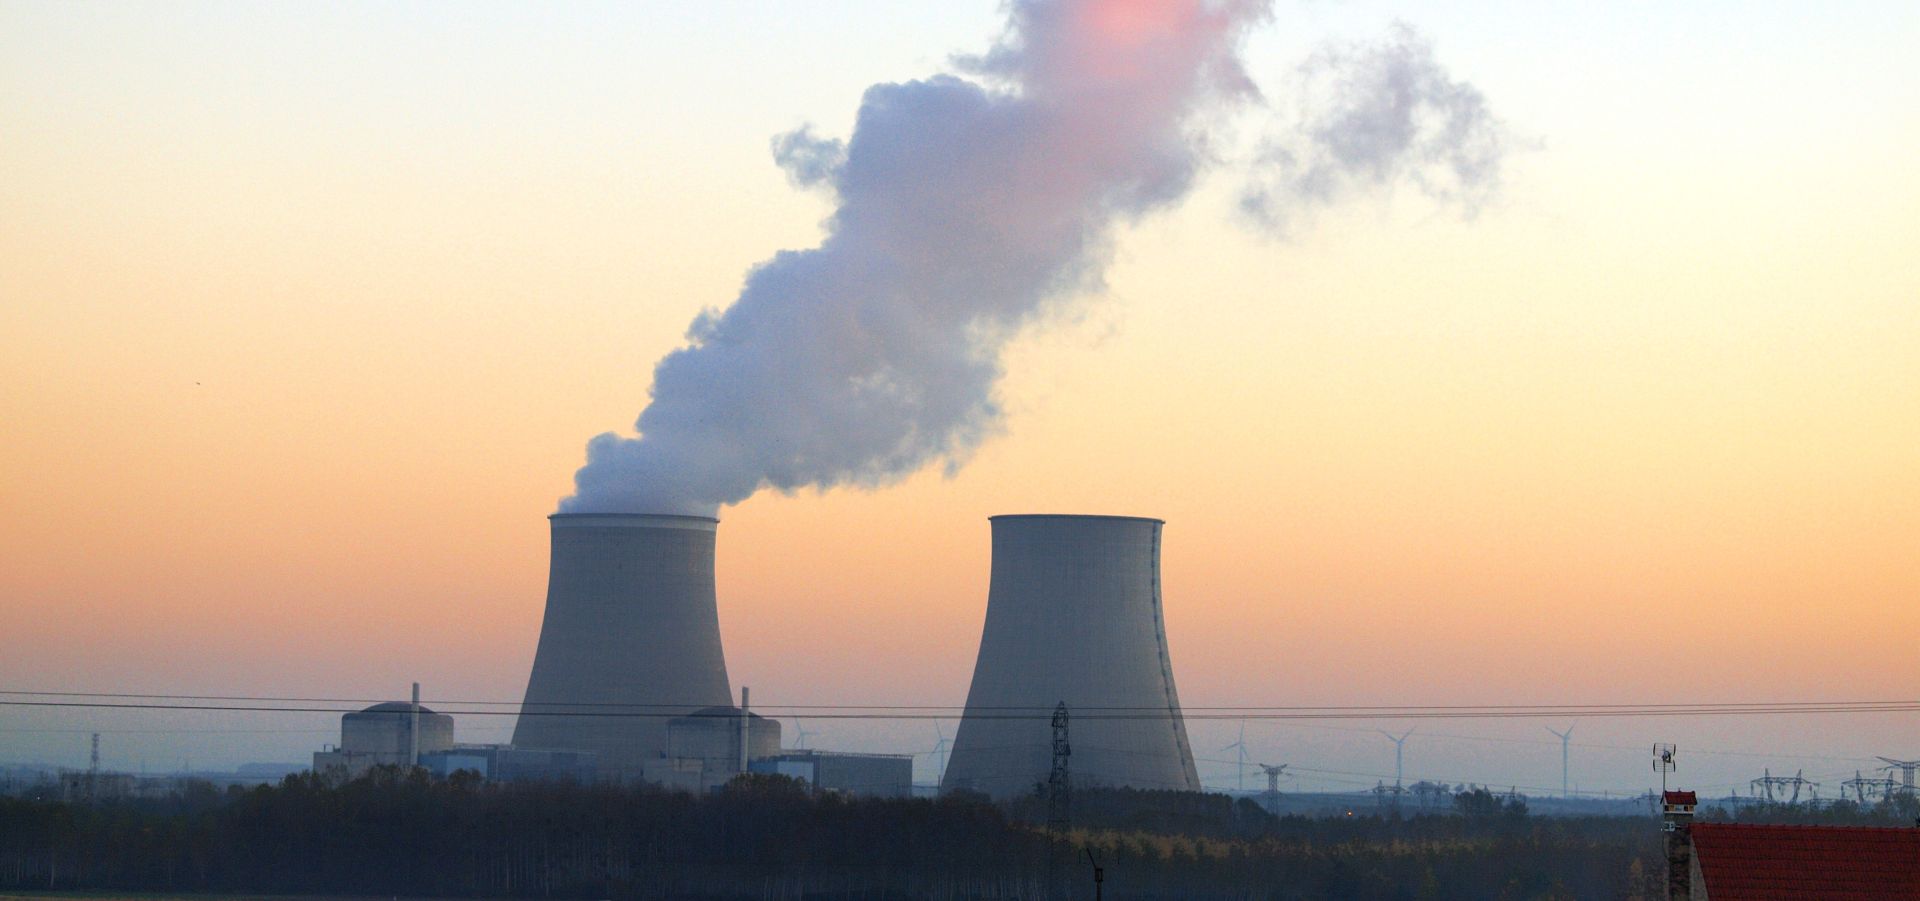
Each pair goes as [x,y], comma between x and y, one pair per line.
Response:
[877,775]
[506,763]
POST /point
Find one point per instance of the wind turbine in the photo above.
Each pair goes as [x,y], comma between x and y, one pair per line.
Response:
[940,751]
[1240,779]
[1565,738]
[800,734]
[1399,745]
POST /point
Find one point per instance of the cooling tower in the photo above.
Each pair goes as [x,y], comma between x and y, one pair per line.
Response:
[1073,614]
[631,628]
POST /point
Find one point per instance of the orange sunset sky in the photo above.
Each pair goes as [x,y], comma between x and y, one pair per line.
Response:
[308,312]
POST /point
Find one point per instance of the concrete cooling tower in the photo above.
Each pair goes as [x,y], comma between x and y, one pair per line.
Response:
[631,628]
[1073,614]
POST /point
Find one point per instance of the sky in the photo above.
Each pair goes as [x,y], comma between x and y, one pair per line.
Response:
[308,313]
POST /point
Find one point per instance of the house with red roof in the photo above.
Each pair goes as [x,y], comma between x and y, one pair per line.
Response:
[1754,862]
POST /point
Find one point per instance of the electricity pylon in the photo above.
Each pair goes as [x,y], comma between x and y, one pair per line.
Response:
[1059,781]
[1273,776]
[1768,782]
[1059,794]
[1864,787]
[1906,768]
[1273,785]
[93,771]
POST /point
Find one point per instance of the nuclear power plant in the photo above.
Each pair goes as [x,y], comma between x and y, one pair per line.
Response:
[631,638]
[1073,616]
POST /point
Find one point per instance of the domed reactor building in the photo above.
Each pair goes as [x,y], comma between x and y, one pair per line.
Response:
[631,638]
[1073,616]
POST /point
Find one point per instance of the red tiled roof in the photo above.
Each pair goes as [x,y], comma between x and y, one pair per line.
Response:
[1747,862]
[1681,798]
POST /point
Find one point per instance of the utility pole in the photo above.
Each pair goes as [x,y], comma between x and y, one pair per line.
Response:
[1099,875]
[1565,738]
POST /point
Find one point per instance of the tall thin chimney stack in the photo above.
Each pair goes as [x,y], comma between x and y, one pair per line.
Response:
[413,729]
[1676,820]
[745,717]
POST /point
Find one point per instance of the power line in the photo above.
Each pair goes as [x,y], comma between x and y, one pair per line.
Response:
[882,712]
[1636,749]
[1382,711]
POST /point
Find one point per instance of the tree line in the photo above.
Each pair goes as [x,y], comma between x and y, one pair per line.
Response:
[398,833]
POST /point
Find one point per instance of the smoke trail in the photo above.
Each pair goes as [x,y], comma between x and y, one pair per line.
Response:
[964,207]
[1368,117]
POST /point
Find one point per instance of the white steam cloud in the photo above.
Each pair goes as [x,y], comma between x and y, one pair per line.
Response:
[1367,117]
[965,206]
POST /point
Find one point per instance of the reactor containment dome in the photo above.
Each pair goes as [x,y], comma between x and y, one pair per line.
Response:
[631,637]
[1073,616]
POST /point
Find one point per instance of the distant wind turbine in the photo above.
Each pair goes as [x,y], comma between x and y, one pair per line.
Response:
[801,733]
[1399,746]
[940,751]
[1565,738]
[1240,779]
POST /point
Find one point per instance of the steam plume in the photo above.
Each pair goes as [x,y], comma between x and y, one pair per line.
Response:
[1371,116]
[965,206]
